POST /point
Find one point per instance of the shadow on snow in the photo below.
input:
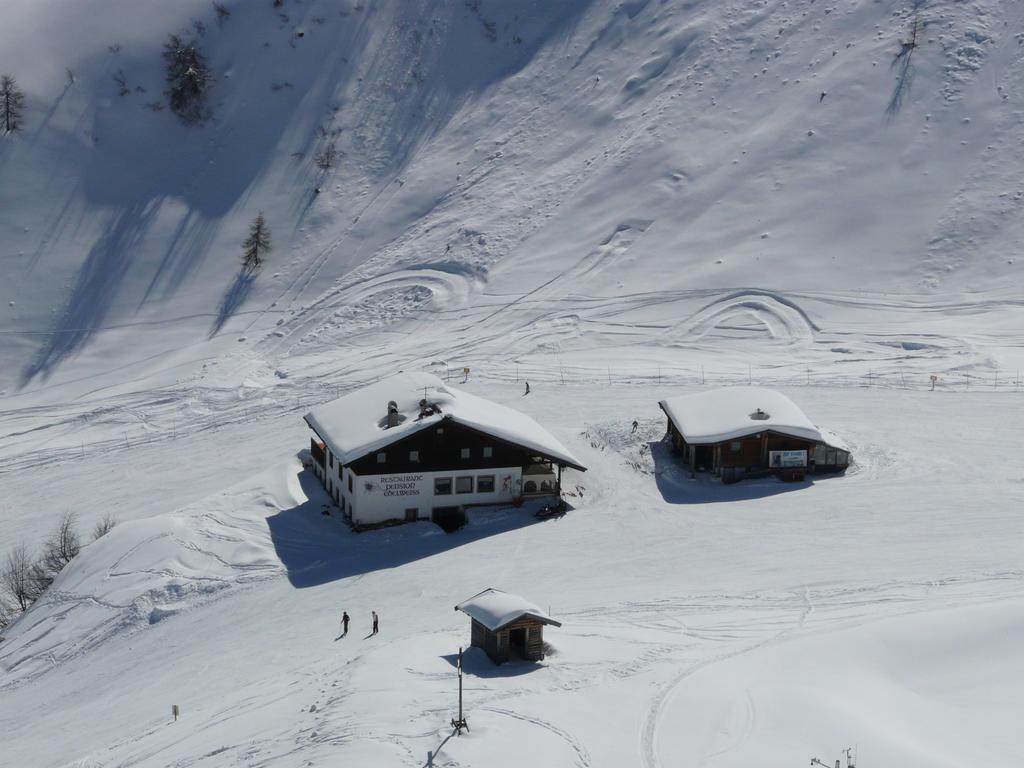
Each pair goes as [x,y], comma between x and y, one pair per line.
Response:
[316,549]
[476,662]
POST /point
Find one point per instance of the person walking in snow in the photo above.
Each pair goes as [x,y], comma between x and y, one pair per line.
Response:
[527,389]
[344,623]
[374,615]
[636,425]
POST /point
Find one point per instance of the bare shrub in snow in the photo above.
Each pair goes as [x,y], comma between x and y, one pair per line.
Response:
[257,243]
[122,84]
[188,80]
[63,544]
[12,105]
[16,577]
[6,613]
[103,526]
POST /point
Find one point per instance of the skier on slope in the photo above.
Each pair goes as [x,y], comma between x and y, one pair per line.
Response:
[527,389]
[373,614]
[344,623]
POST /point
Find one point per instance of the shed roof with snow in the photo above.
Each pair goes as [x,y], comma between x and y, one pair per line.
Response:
[734,412]
[355,425]
[495,609]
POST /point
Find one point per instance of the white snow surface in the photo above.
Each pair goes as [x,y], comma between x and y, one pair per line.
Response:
[356,424]
[728,413]
[494,609]
[617,201]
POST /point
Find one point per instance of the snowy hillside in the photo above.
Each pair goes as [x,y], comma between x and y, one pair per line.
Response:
[617,201]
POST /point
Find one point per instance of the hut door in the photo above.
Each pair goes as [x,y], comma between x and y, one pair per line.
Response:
[517,642]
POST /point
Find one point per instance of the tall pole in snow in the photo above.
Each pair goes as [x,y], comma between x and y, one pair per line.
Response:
[461,723]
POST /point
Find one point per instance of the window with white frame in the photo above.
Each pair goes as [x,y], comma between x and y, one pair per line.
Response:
[488,451]
[414,456]
[464,453]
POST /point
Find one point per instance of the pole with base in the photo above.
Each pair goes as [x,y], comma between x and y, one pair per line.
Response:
[460,723]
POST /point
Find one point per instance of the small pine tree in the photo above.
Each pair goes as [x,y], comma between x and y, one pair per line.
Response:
[257,244]
[12,103]
[326,157]
[188,80]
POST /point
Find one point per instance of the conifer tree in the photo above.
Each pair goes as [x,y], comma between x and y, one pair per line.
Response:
[12,103]
[257,244]
[188,80]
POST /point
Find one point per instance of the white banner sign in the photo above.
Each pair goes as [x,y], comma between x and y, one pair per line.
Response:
[787,459]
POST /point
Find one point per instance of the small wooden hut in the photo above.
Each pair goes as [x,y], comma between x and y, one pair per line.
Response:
[506,626]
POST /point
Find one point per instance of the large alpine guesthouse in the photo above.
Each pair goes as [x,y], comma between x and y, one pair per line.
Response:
[739,432]
[411,448]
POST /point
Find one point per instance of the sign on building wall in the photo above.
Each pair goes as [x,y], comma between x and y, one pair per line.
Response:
[401,485]
[787,459]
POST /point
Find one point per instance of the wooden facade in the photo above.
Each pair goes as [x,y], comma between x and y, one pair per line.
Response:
[522,639]
[446,447]
[750,456]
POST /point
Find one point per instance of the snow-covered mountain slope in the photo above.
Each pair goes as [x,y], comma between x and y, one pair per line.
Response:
[618,201]
[553,173]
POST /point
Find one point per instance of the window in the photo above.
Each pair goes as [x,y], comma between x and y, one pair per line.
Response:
[463,484]
[411,515]
[485,484]
[442,486]
[382,457]
[488,451]
[440,430]
[530,487]
[350,482]
[414,456]
[330,458]
[735,447]
[464,453]
[341,471]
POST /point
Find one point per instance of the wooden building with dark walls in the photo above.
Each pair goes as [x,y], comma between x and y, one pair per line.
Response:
[740,432]
[506,626]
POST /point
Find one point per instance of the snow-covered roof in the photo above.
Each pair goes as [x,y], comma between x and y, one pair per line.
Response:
[496,609]
[734,412]
[356,425]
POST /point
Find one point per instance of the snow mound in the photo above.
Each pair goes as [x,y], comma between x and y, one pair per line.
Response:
[145,571]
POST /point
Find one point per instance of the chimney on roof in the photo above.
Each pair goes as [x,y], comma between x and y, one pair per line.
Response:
[393,417]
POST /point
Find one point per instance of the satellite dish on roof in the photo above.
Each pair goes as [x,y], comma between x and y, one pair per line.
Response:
[759,415]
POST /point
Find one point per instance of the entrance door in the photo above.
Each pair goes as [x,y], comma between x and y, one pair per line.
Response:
[517,642]
[703,457]
[448,518]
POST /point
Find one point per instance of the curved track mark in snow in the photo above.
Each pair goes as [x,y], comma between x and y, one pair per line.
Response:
[649,732]
[582,756]
[785,320]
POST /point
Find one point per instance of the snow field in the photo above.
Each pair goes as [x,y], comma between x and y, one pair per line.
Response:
[660,581]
